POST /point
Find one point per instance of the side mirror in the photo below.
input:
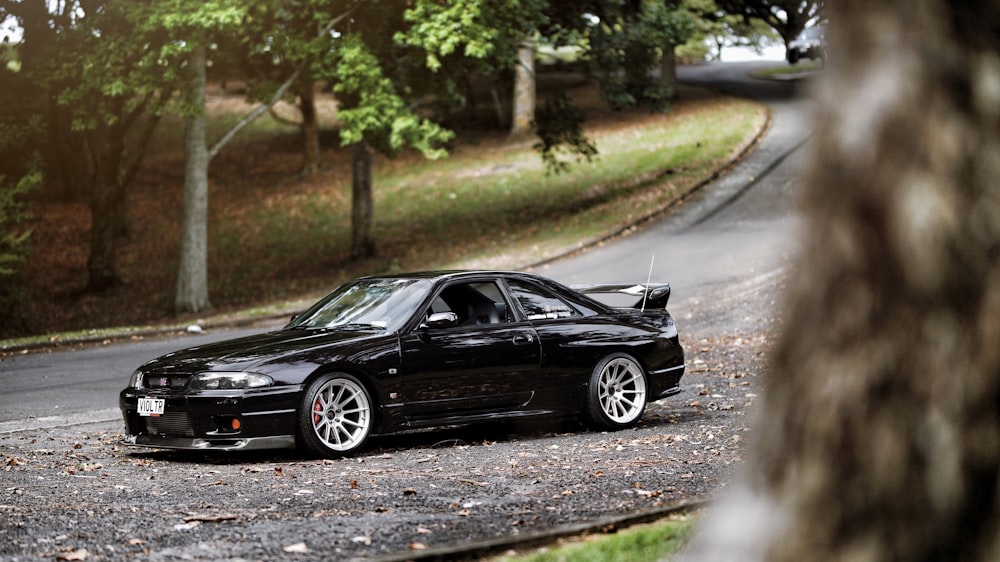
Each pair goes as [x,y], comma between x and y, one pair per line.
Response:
[441,320]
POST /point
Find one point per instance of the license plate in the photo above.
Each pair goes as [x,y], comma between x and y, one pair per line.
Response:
[151,406]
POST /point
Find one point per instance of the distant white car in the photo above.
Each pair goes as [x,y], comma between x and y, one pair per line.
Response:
[810,44]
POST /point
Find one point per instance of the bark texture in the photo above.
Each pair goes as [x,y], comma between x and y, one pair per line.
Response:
[668,71]
[879,434]
[192,277]
[309,128]
[524,88]
[363,207]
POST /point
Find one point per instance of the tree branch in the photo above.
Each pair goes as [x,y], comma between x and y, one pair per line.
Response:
[278,94]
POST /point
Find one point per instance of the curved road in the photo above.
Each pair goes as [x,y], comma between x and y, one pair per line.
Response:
[735,233]
[738,230]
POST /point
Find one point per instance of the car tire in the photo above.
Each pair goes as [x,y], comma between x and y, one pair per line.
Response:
[616,395]
[336,416]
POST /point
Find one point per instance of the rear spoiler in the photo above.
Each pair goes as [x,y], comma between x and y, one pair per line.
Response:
[651,295]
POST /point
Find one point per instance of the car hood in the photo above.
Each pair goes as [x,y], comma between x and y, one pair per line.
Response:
[249,352]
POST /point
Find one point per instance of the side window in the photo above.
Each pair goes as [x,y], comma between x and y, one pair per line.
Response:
[474,303]
[539,305]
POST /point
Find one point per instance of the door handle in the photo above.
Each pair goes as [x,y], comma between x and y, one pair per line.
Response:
[523,339]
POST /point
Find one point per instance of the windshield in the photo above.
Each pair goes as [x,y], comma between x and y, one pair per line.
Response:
[374,303]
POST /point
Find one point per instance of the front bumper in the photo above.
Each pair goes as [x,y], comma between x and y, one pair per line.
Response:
[197,444]
[204,420]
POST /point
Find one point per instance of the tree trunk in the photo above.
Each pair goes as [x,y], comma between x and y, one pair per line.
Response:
[524,88]
[668,71]
[363,205]
[104,146]
[101,273]
[880,433]
[309,128]
[192,278]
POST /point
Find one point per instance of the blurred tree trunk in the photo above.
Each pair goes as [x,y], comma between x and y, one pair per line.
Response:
[104,147]
[192,277]
[363,206]
[524,88]
[309,128]
[668,71]
[880,433]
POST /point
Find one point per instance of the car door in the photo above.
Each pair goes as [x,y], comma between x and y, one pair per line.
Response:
[570,337]
[484,362]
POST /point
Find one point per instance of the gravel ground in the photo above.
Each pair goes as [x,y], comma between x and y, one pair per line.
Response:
[75,494]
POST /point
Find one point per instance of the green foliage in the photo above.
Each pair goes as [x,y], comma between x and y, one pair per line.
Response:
[626,46]
[371,109]
[716,29]
[786,17]
[278,36]
[485,30]
[559,126]
[14,238]
[441,29]
[457,40]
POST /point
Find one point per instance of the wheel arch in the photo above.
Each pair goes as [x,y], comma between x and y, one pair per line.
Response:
[364,377]
[594,409]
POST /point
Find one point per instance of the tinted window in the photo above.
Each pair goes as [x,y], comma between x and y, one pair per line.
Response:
[539,304]
[473,303]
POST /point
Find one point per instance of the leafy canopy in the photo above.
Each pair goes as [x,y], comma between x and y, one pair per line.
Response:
[371,109]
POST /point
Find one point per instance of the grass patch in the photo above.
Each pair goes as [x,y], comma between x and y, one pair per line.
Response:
[805,67]
[646,543]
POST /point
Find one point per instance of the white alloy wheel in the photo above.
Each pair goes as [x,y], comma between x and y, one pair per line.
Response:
[337,415]
[617,394]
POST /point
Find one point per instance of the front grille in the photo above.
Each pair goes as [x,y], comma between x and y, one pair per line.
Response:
[165,381]
[172,424]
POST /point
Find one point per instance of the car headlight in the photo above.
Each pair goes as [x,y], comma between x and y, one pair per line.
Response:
[135,381]
[228,381]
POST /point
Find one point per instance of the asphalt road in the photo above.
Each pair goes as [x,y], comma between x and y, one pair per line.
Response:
[734,230]
[734,234]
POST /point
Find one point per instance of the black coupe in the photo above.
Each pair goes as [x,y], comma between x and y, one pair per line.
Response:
[396,352]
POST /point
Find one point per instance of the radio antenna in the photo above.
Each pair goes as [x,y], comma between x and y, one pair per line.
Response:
[649,278]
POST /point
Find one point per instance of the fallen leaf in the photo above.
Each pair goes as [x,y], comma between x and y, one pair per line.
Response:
[210,518]
[80,554]
[417,546]
[297,548]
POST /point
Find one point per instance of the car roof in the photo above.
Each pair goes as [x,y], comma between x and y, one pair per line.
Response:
[453,274]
